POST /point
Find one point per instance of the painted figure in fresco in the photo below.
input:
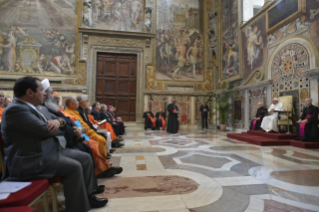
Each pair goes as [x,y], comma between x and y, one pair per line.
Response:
[148,22]
[1,50]
[192,56]
[70,50]
[254,45]
[61,64]
[87,13]
[96,9]
[180,54]
[9,58]
[136,7]
[116,16]
[41,64]
[21,30]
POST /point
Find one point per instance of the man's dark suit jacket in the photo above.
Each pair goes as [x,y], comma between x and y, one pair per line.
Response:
[69,131]
[85,118]
[96,115]
[313,110]
[105,115]
[31,150]
[201,109]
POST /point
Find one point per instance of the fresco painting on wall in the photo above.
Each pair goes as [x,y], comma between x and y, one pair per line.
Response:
[38,37]
[118,15]
[179,41]
[254,45]
[230,59]
[307,22]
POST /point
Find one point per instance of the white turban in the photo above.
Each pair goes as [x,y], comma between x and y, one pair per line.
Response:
[46,84]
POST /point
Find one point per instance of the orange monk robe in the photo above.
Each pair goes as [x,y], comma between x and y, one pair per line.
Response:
[101,164]
[91,133]
[1,111]
[105,125]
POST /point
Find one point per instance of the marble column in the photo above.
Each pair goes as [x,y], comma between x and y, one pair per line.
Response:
[193,110]
[268,97]
[145,102]
[246,119]
[314,91]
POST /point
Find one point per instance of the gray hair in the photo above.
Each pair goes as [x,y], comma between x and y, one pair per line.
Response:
[309,99]
[81,98]
[103,106]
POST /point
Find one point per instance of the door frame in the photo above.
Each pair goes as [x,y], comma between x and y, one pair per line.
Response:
[140,69]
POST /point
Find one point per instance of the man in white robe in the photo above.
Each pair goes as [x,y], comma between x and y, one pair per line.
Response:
[269,123]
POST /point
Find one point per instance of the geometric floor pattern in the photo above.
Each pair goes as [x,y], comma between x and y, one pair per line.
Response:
[204,171]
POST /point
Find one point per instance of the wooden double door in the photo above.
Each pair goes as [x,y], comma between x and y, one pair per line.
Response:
[116,83]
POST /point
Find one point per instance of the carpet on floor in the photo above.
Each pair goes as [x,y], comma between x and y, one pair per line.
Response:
[271,139]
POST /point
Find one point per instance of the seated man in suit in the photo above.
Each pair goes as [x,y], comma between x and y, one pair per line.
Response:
[256,122]
[307,125]
[7,101]
[149,121]
[105,115]
[34,146]
[94,118]
[160,119]
[269,123]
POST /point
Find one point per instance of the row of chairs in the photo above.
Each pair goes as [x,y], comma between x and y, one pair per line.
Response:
[26,197]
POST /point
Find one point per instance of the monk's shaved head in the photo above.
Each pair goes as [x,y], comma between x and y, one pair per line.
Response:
[69,100]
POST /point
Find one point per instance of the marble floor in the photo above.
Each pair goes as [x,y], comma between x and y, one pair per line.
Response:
[204,171]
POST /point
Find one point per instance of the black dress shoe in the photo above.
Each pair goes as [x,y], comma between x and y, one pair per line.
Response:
[100,189]
[112,150]
[297,139]
[97,202]
[108,173]
[108,157]
[118,170]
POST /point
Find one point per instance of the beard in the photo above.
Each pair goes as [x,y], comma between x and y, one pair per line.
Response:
[49,103]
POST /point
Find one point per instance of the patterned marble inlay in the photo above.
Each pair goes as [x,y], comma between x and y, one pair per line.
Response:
[147,186]
[298,177]
[138,149]
[233,148]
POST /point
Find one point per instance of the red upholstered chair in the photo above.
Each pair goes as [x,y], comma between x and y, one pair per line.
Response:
[185,120]
[17,209]
[28,195]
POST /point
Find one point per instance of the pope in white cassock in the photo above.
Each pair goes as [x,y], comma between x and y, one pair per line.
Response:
[269,123]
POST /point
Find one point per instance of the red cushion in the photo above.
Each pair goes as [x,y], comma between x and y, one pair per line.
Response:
[17,209]
[27,195]
[56,179]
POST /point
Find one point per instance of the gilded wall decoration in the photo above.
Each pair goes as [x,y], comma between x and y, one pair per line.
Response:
[123,15]
[254,41]
[290,62]
[38,38]
[229,39]
[81,79]
[255,96]
[150,80]
[179,40]
[307,22]
[117,41]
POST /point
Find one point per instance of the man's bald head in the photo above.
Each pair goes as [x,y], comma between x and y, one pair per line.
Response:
[308,101]
[71,103]
[1,98]
[260,104]
[7,101]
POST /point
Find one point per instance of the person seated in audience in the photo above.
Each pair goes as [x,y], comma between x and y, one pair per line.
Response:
[71,106]
[74,135]
[101,130]
[1,103]
[269,123]
[35,148]
[7,101]
[95,111]
[105,115]
[307,125]
[149,121]
[256,122]
[160,119]
[119,119]
[120,122]
[114,139]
